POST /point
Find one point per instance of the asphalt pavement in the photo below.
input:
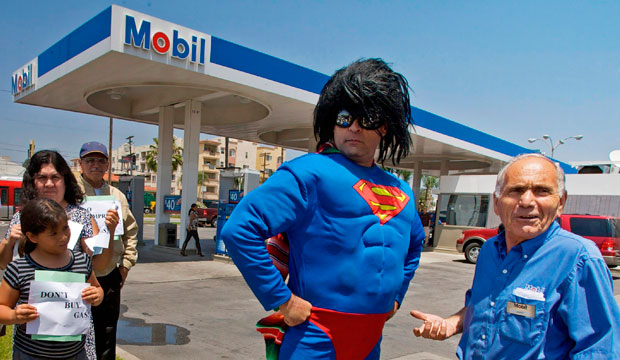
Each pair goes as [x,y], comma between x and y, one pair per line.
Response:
[199,308]
[176,307]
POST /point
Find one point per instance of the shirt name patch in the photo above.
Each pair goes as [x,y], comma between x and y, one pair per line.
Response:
[520,309]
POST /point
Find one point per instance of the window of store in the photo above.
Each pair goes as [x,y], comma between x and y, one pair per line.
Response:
[464,209]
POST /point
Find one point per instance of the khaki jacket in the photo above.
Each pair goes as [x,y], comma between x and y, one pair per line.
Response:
[125,252]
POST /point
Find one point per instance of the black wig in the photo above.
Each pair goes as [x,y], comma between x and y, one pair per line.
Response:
[368,88]
[73,194]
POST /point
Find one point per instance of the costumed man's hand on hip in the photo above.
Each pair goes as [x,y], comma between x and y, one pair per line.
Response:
[394,310]
[296,310]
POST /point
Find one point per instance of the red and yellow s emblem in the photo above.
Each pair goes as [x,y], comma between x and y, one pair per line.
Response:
[384,201]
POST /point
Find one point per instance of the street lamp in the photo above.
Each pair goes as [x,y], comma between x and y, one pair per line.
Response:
[547,138]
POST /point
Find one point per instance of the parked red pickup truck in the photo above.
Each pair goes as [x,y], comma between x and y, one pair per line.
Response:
[207,216]
[603,230]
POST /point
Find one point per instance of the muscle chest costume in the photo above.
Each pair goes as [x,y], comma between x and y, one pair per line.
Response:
[355,243]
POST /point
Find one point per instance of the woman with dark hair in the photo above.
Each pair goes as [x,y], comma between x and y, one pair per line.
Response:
[49,176]
[192,230]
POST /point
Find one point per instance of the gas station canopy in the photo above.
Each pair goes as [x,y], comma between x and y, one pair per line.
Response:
[129,65]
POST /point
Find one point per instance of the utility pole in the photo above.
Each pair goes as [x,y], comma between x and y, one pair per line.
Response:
[226,153]
[264,166]
[31,149]
[129,140]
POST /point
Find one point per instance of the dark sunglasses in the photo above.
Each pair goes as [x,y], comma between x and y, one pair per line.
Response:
[345,119]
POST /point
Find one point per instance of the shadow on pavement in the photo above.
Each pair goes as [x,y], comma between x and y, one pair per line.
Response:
[149,253]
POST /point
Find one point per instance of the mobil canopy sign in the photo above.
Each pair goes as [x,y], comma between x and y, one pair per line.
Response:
[142,34]
[22,79]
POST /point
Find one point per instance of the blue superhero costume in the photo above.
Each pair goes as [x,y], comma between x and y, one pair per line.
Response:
[355,242]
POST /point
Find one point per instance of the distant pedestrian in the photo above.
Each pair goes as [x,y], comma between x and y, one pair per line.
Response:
[192,230]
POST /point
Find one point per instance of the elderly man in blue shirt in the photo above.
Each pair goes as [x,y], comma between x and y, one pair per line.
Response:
[538,291]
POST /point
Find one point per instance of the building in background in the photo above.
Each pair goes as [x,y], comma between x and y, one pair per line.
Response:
[132,160]
[211,158]
[268,159]
[209,162]
[250,155]
[10,168]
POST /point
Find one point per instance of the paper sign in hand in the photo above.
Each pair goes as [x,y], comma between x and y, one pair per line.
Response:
[98,207]
[58,276]
[61,308]
[100,240]
[76,230]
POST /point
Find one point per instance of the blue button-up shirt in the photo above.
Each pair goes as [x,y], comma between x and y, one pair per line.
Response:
[550,297]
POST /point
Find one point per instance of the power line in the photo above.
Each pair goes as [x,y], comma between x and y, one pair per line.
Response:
[57,126]
[11,144]
[24,151]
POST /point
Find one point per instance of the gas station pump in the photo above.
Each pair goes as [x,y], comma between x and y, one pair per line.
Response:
[230,197]
[133,188]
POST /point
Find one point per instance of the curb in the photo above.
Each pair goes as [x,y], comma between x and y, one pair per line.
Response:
[125,355]
[222,258]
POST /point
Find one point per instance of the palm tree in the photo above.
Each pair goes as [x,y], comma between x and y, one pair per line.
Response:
[404,174]
[177,155]
[202,177]
[430,183]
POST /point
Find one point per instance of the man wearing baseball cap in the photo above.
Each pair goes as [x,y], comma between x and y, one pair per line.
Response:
[94,164]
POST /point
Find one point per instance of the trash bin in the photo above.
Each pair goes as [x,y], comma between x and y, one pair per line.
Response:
[167,234]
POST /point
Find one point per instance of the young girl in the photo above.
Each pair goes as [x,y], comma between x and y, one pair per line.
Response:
[44,224]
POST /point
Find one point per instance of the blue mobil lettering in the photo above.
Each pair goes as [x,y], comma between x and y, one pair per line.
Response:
[160,42]
[21,81]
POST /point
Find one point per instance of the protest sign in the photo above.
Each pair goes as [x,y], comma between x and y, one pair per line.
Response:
[100,240]
[76,230]
[58,277]
[99,206]
[61,308]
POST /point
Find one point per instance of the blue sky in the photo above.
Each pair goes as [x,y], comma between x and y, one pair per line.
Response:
[516,70]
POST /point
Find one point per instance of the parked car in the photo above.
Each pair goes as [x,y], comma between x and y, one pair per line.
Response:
[207,215]
[603,230]
[471,241]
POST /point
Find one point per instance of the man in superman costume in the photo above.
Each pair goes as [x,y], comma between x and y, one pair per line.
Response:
[354,234]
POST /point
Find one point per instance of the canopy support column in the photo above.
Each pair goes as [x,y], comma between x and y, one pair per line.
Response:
[417,179]
[191,145]
[164,166]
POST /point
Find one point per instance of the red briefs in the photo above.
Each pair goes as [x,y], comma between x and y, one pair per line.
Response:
[353,335]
